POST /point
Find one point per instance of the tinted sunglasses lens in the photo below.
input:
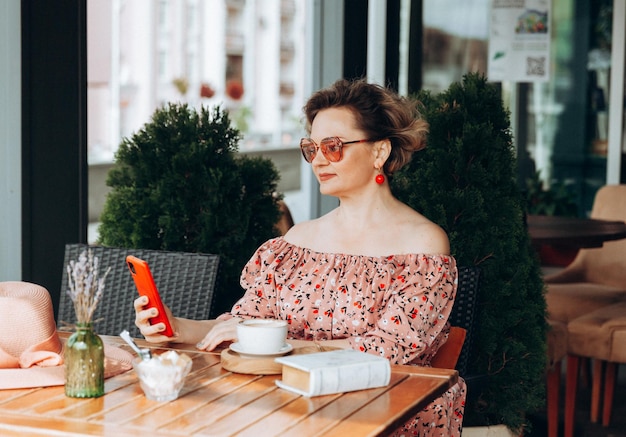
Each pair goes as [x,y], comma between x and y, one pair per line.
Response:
[331,148]
[308,149]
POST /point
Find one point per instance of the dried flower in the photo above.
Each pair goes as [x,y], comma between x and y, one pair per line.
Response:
[85,288]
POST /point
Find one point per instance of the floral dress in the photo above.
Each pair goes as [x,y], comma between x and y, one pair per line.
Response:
[395,306]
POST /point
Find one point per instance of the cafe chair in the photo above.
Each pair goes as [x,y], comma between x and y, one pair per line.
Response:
[596,277]
[448,354]
[601,336]
[455,352]
[463,315]
[186,283]
[556,346]
[463,312]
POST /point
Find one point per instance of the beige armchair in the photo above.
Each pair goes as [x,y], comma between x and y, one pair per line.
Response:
[600,335]
[595,279]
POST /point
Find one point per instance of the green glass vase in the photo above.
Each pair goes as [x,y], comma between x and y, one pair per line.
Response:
[84,363]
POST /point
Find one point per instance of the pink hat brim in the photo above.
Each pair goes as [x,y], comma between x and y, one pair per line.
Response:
[116,361]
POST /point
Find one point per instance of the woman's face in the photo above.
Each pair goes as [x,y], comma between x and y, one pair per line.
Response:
[356,169]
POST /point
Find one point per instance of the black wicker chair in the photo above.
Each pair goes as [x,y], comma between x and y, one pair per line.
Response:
[186,283]
[464,310]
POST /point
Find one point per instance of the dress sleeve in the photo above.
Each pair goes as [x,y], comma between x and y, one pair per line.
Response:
[413,323]
[257,280]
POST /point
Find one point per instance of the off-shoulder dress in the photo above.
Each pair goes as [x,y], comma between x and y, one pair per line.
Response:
[396,306]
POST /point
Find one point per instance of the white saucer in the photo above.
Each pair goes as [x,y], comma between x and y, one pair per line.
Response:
[236,347]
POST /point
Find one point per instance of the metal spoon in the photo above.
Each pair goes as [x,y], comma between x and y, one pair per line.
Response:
[144,354]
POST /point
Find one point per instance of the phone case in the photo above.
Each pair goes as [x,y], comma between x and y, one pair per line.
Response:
[146,286]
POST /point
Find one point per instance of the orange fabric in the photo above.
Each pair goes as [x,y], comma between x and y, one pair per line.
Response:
[448,354]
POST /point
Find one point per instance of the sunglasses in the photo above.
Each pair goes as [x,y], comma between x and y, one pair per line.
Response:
[331,147]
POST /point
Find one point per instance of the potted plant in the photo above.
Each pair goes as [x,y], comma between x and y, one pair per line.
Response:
[465,181]
[179,184]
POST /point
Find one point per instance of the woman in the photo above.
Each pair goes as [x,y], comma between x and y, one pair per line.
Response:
[372,274]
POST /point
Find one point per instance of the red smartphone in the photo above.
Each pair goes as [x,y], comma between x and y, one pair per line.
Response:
[144,282]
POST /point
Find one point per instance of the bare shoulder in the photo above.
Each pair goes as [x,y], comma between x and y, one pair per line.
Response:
[301,233]
[434,238]
[401,231]
[420,235]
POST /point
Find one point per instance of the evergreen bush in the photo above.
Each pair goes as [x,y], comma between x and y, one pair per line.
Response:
[465,181]
[179,184]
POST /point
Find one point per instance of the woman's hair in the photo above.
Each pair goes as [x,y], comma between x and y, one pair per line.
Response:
[379,112]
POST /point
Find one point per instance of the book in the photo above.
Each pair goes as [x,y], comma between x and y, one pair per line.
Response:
[331,372]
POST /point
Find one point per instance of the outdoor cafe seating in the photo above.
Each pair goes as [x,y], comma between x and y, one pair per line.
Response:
[588,297]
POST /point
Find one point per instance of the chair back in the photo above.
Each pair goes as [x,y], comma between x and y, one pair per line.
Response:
[607,264]
[186,283]
[464,310]
[447,357]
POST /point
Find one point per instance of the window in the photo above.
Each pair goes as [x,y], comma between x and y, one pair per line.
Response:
[204,53]
[232,53]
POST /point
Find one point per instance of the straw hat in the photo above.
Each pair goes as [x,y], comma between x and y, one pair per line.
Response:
[31,352]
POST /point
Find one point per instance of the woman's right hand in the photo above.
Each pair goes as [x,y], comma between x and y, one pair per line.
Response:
[152,332]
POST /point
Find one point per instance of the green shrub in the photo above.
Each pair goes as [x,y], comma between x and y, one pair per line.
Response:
[465,181]
[179,184]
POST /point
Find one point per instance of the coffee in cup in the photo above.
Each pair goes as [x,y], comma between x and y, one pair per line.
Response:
[262,336]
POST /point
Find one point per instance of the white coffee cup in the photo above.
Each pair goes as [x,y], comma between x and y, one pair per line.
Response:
[262,336]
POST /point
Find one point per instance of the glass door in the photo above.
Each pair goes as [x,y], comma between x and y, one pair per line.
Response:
[563,131]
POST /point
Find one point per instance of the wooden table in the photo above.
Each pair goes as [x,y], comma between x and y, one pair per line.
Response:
[573,232]
[218,402]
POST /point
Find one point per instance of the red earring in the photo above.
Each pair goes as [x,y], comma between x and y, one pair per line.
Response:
[380,178]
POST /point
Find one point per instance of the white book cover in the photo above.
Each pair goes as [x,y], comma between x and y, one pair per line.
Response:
[333,372]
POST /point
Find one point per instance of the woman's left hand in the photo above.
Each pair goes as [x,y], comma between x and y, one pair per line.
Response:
[222,331]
